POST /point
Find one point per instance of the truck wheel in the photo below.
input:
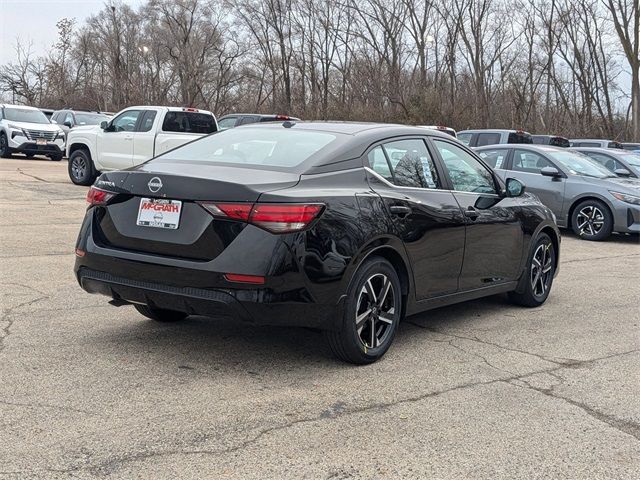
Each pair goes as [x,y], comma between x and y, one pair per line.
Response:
[5,151]
[56,158]
[81,169]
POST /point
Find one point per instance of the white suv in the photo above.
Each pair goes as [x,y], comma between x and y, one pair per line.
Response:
[27,130]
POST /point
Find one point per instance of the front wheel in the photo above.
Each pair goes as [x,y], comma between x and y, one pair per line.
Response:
[160,314]
[5,151]
[539,274]
[592,220]
[371,315]
[81,169]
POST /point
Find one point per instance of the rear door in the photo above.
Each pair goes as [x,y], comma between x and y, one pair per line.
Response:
[526,166]
[494,238]
[425,215]
[115,145]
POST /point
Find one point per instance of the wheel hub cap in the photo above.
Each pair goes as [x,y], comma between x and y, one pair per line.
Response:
[375,311]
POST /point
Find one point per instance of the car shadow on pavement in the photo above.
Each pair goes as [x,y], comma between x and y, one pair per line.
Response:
[225,341]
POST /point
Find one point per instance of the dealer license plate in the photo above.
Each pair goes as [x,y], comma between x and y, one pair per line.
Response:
[41,141]
[159,213]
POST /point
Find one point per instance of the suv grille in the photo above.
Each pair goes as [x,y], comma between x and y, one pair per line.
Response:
[35,134]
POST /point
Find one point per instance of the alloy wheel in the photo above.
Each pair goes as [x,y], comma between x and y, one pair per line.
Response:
[78,167]
[541,269]
[590,220]
[375,311]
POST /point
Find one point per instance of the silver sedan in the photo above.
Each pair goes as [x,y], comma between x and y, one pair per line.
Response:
[583,194]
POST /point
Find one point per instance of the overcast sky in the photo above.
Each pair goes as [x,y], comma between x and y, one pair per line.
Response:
[35,20]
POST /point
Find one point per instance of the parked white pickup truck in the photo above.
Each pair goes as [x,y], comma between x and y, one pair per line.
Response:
[132,137]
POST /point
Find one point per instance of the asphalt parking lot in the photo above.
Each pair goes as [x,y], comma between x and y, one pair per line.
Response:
[478,390]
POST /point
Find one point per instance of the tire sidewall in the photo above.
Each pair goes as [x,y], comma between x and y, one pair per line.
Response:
[6,151]
[369,268]
[87,179]
[607,228]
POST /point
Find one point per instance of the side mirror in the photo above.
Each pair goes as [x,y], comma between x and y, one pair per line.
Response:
[622,172]
[104,124]
[515,188]
[550,172]
[67,124]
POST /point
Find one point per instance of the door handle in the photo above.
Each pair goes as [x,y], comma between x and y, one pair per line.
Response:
[471,213]
[400,210]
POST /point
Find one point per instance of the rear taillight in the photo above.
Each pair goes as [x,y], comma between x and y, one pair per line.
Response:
[97,196]
[274,217]
[283,117]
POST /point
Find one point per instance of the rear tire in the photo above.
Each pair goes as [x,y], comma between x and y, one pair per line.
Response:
[5,151]
[160,314]
[592,220]
[81,169]
[538,275]
[371,316]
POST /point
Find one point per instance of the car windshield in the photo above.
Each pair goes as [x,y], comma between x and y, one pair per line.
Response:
[579,164]
[89,118]
[25,115]
[269,147]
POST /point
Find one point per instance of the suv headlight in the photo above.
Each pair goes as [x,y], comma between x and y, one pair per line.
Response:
[625,197]
[15,127]
[60,134]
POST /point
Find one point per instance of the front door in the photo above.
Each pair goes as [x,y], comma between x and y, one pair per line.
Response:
[425,215]
[526,167]
[115,144]
[494,238]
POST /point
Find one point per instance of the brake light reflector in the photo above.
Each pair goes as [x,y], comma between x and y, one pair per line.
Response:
[274,217]
[283,117]
[238,278]
[97,196]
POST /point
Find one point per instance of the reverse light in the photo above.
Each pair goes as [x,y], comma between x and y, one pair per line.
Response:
[97,196]
[273,217]
[625,197]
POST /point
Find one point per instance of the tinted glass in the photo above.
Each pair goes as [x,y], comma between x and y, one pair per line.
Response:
[585,144]
[126,121]
[378,163]
[487,139]
[147,121]
[531,162]
[284,148]
[579,164]
[614,145]
[411,164]
[541,139]
[227,123]
[559,142]
[519,137]
[188,122]
[465,171]
[89,118]
[25,115]
[494,158]
[632,146]
[465,138]
[248,119]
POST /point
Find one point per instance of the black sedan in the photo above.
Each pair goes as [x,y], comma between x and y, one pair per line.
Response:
[337,226]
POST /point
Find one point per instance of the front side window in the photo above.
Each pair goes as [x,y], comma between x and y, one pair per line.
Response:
[529,162]
[466,172]
[494,158]
[68,118]
[411,164]
[465,138]
[126,121]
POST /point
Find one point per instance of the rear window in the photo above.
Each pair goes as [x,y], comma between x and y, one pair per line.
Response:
[189,122]
[519,137]
[279,148]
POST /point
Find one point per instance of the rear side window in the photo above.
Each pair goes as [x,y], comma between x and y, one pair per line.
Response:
[487,139]
[530,162]
[378,163]
[188,122]
[147,121]
[614,145]
[519,137]
[586,144]
[559,142]
[494,158]
[248,119]
[411,164]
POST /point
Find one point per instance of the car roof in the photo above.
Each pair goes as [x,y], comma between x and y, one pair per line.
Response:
[171,109]
[494,130]
[590,140]
[612,151]
[352,128]
[26,107]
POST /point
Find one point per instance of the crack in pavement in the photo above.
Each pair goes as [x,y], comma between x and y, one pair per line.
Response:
[114,463]
[554,360]
[625,426]
[8,312]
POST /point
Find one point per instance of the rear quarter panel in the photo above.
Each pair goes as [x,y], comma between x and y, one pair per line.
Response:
[166,141]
